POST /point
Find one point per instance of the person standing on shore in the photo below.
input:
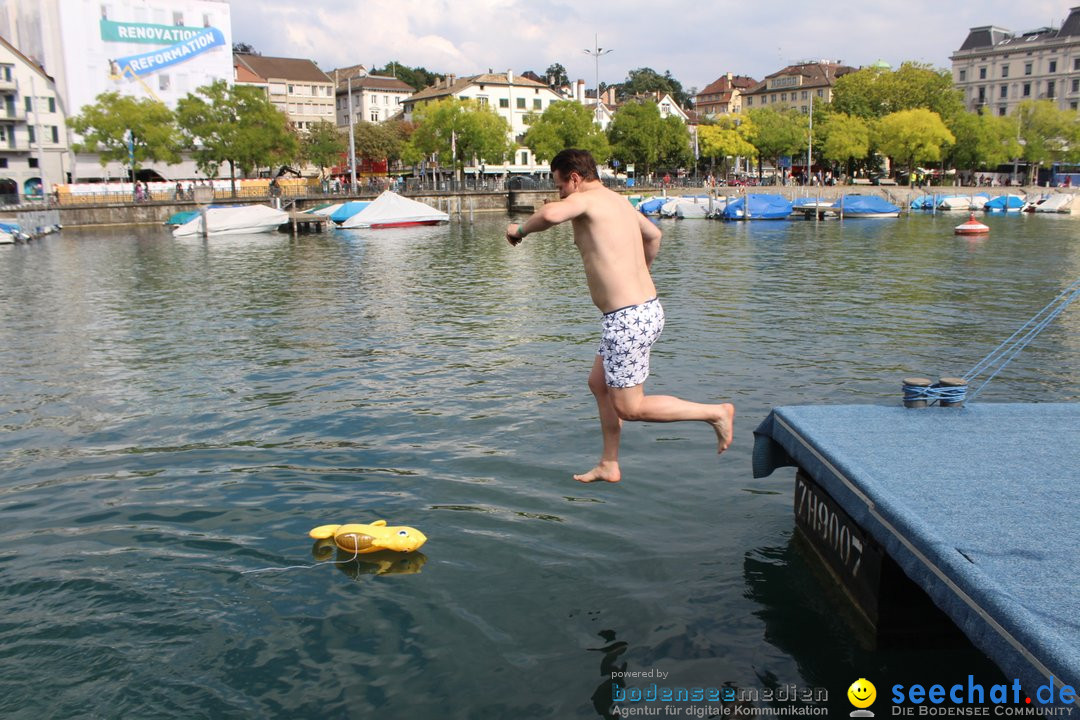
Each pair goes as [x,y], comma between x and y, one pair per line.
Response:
[617,246]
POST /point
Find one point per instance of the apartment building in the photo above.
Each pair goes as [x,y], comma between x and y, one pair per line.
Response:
[997,69]
[33,132]
[295,86]
[795,85]
[722,96]
[511,97]
[375,98]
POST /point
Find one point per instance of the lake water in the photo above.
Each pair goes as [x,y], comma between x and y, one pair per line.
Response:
[177,412]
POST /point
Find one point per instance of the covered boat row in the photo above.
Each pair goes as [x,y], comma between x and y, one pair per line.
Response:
[1048,203]
[766,206]
[386,211]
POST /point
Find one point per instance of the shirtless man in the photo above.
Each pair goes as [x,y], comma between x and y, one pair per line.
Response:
[617,245]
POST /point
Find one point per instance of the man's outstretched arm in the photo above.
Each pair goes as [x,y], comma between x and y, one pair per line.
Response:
[650,238]
[550,215]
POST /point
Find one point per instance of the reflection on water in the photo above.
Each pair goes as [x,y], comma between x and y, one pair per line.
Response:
[186,410]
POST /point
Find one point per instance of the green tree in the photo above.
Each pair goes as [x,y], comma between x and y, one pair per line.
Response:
[1048,133]
[726,137]
[779,132]
[565,124]
[639,136]
[646,80]
[874,92]
[556,76]
[323,145]
[913,136]
[108,123]
[676,150]
[417,77]
[982,141]
[376,142]
[458,131]
[235,124]
[842,138]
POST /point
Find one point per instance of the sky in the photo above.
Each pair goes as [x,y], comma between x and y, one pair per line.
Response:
[696,41]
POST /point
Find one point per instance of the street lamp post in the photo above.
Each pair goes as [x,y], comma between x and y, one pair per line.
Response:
[596,52]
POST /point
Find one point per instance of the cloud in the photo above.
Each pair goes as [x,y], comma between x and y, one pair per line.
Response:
[696,41]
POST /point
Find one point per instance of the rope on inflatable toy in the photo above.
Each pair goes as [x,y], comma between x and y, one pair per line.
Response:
[356,554]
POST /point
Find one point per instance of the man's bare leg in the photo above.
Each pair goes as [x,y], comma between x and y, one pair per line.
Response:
[610,426]
[633,404]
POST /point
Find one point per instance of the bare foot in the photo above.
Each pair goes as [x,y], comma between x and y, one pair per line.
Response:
[724,426]
[606,471]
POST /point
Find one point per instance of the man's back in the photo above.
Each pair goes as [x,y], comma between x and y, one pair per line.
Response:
[608,234]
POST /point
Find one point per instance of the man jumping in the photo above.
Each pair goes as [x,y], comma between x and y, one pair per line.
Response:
[617,245]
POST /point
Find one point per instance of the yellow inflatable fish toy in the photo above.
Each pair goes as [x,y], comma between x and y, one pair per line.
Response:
[360,539]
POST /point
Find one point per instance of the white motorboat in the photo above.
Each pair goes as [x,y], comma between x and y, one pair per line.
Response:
[1051,203]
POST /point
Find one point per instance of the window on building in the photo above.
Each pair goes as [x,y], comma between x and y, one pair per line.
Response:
[55,134]
[783,97]
[1004,92]
[3,136]
[163,81]
[821,93]
[177,18]
[802,108]
[1076,85]
[205,20]
[982,94]
[52,105]
[32,162]
[524,157]
[963,75]
[1004,71]
[1076,63]
[805,94]
[520,102]
[504,102]
[1050,89]
[1001,111]
[30,134]
[537,103]
[290,88]
[3,161]
[982,73]
[749,101]
[1027,68]
[1053,66]
[29,104]
[1027,90]
[6,73]
[1072,106]
[483,100]
[374,116]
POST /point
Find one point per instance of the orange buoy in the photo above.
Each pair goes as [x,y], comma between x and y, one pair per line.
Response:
[972,227]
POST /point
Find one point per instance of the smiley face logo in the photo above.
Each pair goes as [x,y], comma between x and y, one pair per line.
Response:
[862,693]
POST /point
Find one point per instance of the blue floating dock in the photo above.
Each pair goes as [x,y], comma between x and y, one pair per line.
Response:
[980,506]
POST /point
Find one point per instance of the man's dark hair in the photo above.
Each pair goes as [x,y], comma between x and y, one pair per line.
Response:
[579,161]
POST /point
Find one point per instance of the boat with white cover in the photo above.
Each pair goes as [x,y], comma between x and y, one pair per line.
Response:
[243,220]
[391,210]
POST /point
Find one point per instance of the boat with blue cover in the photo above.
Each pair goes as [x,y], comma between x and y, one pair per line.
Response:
[347,210]
[758,206]
[1005,203]
[865,206]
